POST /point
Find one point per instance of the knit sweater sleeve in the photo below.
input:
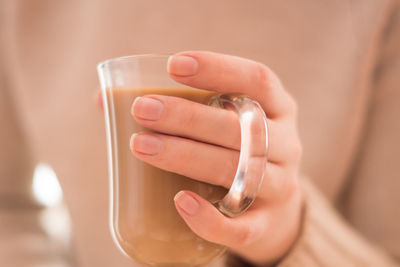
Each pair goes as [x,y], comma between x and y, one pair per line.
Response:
[326,239]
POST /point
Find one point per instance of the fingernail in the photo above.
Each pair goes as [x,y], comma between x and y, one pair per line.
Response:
[187,203]
[148,144]
[182,65]
[147,108]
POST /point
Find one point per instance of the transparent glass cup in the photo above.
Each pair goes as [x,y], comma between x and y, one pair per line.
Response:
[144,222]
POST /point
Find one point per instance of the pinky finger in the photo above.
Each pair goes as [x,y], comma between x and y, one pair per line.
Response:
[207,222]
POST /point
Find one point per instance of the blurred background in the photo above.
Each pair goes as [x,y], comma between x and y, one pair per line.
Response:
[36,232]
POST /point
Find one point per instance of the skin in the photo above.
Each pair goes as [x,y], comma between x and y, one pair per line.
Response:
[268,229]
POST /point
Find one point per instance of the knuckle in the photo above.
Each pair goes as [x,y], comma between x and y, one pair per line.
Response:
[298,150]
[263,75]
[292,186]
[246,236]
[292,106]
[293,146]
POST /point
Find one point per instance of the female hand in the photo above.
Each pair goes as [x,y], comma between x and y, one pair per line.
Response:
[189,143]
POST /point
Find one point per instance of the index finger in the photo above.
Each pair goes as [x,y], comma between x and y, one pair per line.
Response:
[231,74]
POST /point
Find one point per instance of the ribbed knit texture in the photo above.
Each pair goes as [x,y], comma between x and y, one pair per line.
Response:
[326,240]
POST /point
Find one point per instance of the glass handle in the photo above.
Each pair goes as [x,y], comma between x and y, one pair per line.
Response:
[253,152]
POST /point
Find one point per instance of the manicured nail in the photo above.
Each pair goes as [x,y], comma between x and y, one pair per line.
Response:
[148,144]
[187,203]
[147,108]
[182,65]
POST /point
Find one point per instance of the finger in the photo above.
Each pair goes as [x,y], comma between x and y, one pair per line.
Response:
[230,74]
[203,162]
[199,161]
[198,214]
[181,117]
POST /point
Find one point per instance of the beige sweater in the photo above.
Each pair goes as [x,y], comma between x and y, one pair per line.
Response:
[340,60]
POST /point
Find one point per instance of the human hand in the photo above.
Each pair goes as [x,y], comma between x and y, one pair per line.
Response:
[188,144]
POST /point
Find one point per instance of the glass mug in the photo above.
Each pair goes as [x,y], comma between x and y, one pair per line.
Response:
[144,222]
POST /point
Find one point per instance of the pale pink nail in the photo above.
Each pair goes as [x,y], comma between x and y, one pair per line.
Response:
[187,203]
[182,65]
[147,108]
[146,143]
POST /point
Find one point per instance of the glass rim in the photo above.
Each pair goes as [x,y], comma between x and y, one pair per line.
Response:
[103,63]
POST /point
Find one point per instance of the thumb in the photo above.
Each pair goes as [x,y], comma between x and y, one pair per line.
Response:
[210,224]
